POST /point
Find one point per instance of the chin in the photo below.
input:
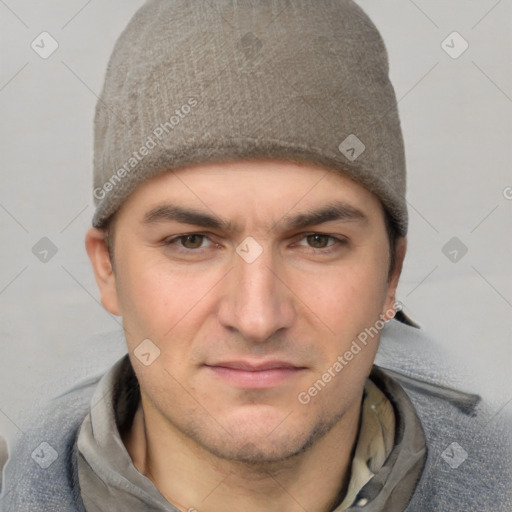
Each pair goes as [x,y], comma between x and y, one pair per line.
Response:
[259,450]
[265,439]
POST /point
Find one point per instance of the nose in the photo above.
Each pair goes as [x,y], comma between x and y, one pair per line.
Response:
[256,302]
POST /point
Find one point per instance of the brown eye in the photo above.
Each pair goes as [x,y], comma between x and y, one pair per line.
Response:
[192,241]
[190,244]
[318,241]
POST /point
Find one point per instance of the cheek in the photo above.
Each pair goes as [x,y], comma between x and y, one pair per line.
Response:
[346,299]
[367,292]
[143,298]
[349,304]
[156,300]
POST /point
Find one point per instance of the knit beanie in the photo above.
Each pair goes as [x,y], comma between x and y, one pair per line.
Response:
[193,82]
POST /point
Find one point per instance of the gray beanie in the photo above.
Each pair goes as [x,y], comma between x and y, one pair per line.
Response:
[191,82]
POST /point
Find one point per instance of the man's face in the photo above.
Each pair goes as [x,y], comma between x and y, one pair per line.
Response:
[245,327]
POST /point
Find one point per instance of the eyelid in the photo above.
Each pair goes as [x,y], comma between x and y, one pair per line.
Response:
[176,238]
[338,240]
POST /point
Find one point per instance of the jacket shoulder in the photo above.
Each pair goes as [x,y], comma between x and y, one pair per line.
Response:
[469,443]
[40,474]
[469,456]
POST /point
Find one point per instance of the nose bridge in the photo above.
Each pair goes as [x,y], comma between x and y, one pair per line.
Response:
[256,303]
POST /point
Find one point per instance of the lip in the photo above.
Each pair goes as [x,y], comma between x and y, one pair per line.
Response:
[254,375]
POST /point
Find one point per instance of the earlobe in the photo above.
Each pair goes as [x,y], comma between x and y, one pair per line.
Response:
[96,247]
[390,302]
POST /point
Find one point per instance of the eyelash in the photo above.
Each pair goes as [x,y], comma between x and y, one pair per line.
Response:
[325,250]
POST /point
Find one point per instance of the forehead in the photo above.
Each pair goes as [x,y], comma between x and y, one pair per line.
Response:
[262,189]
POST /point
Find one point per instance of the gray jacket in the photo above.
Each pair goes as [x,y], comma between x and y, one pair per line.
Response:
[469,447]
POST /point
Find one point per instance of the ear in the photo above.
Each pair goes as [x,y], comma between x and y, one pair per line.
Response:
[96,247]
[389,303]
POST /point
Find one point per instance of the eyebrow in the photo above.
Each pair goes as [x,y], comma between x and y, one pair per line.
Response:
[335,211]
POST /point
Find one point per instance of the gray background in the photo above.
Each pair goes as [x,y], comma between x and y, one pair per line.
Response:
[456,115]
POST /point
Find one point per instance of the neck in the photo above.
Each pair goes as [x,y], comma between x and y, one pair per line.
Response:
[192,478]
